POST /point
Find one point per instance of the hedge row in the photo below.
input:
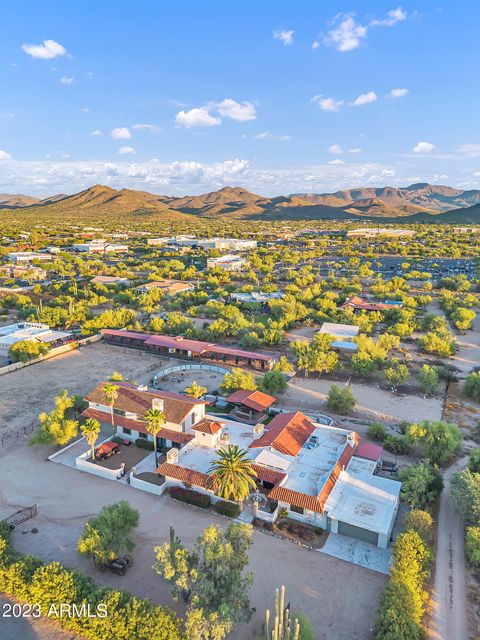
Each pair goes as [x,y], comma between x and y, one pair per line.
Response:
[29,581]
[230,509]
[191,497]
[402,605]
[142,443]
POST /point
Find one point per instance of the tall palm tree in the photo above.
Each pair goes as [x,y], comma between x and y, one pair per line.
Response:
[155,420]
[91,430]
[110,393]
[232,475]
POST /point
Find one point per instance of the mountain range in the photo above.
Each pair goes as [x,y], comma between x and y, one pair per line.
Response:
[421,202]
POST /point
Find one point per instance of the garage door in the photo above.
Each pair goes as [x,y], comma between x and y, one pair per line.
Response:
[357,532]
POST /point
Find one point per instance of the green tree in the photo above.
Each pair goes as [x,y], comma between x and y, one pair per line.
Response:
[108,535]
[438,439]
[238,379]
[110,393]
[232,475]
[195,390]
[56,427]
[26,350]
[273,382]
[396,373]
[428,378]
[421,522]
[91,430]
[466,495]
[474,462]
[462,318]
[212,576]
[283,365]
[340,399]
[471,386]
[472,546]
[421,484]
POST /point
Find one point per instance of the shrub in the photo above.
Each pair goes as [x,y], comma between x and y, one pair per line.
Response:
[190,497]
[421,522]
[397,444]
[471,386]
[377,431]
[142,443]
[29,580]
[230,509]
[340,399]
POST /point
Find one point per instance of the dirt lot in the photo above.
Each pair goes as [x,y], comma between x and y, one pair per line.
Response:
[323,586]
[24,393]
[372,403]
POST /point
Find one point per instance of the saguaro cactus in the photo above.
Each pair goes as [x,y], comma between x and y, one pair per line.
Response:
[282,625]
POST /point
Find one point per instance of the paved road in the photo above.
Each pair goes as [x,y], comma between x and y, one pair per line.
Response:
[449,616]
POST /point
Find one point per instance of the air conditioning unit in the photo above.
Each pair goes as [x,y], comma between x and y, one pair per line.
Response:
[157,403]
[258,430]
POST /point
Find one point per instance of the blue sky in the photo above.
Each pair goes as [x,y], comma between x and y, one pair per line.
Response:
[278,97]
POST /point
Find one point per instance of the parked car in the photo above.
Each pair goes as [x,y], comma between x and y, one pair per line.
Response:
[106,450]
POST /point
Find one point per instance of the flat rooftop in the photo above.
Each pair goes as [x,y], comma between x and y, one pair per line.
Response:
[340,331]
[364,500]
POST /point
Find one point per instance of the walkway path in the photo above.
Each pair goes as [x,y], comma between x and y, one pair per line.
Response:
[449,616]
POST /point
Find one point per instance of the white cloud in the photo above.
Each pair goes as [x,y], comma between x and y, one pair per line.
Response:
[242,112]
[470,150]
[335,148]
[4,155]
[198,117]
[346,34]
[394,16]
[327,104]
[355,150]
[337,161]
[423,147]
[67,79]
[397,93]
[151,128]
[365,98]
[121,133]
[126,150]
[266,135]
[48,50]
[387,173]
[284,36]
[315,45]
[96,132]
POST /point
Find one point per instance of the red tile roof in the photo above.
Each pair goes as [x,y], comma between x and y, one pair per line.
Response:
[189,476]
[208,426]
[137,425]
[255,400]
[229,351]
[178,342]
[360,303]
[268,475]
[297,499]
[125,334]
[287,433]
[176,407]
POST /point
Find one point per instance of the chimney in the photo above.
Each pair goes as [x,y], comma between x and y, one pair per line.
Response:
[172,456]
[157,403]
[258,430]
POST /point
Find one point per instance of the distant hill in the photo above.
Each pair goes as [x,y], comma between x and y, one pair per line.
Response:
[416,203]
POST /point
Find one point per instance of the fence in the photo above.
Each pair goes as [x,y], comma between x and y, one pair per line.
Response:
[11,434]
[22,515]
[188,367]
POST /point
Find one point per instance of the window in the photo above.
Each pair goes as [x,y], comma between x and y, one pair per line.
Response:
[296,509]
[126,431]
[118,412]
[143,435]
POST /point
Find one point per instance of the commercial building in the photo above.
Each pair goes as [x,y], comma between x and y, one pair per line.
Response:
[100,246]
[228,244]
[375,232]
[228,262]
[19,257]
[35,331]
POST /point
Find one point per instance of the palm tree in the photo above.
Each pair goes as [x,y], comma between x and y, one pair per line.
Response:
[90,430]
[195,390]
[110,393]
[232,475]
[155,421]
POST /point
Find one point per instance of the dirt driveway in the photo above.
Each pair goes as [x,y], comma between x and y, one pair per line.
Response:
[321,585]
